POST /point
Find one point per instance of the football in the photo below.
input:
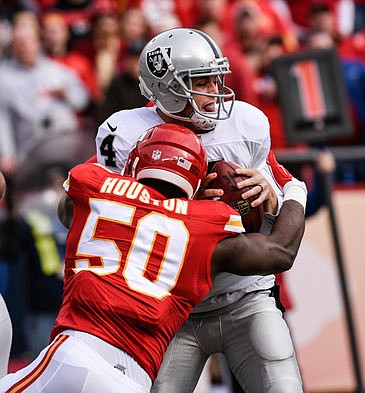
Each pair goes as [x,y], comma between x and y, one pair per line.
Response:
[226,180]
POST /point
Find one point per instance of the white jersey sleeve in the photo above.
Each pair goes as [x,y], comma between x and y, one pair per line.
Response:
[119,133]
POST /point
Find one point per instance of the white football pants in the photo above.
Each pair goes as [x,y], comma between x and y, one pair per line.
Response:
[77,362]
[252,335]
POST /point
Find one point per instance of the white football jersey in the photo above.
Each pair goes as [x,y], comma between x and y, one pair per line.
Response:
[244,138]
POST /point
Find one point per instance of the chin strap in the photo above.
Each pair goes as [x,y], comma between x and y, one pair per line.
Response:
[199,122]
[203,123]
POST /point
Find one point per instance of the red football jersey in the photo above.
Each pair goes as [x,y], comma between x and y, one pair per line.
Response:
[136,263]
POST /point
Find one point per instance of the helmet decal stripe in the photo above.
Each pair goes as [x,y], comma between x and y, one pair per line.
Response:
[210,41]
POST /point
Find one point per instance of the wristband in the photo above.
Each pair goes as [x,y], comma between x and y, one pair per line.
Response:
[267,223]
[296,191]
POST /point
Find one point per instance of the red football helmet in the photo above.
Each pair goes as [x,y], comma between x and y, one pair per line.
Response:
[171,153]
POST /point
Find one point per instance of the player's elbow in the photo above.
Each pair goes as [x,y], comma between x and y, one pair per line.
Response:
[283,259]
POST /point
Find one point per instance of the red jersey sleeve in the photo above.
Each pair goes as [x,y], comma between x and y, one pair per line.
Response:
[281,175]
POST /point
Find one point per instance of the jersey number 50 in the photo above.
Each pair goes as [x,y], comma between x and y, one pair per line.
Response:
[140,249]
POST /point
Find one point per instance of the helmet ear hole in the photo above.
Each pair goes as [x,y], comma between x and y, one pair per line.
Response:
[163,89]
[176,87]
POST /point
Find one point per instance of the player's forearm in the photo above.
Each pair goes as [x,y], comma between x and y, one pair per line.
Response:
[257,253]
[288,228]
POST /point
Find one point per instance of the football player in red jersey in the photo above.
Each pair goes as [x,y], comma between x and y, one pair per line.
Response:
[141,253]
[183,73]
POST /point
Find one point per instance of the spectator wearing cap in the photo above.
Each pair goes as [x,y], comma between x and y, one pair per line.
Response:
[123,91]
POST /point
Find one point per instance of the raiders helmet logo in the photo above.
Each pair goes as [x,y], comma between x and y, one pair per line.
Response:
[156,62]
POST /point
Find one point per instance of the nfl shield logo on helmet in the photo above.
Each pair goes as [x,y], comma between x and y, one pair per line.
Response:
[156,154]
[156,62]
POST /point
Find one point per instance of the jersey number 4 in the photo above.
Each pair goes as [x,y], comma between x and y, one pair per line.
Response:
[106,150]
[140,249]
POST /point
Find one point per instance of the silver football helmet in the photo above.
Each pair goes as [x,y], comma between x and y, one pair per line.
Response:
[170,61]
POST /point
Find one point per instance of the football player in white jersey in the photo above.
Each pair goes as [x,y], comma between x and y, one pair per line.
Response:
[182,73]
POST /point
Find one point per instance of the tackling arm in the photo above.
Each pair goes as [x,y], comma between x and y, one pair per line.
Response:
[255,253]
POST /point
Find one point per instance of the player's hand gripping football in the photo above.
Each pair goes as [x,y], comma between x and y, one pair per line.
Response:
[259,185]
[205,192]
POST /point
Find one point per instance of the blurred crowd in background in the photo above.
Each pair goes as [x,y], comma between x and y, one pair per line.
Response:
[66,65]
